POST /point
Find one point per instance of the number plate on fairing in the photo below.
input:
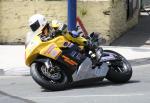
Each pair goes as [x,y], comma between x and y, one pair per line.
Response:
[51,51]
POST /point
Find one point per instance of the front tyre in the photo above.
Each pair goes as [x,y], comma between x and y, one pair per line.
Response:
[56,81]
[120,69]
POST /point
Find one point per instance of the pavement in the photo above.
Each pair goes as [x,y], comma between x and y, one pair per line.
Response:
[12,60]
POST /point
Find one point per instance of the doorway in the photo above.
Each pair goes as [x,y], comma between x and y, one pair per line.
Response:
[132,6]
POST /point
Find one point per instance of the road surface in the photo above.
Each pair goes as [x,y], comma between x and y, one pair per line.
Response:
[22,89]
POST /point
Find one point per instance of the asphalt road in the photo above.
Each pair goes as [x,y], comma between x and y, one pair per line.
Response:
[22,89]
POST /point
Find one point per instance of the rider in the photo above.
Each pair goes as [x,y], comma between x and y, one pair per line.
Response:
[39,25]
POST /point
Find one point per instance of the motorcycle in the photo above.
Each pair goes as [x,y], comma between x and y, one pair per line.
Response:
[58,63]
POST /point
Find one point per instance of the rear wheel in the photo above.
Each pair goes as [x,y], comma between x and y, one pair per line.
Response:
[120,69]
[52,79]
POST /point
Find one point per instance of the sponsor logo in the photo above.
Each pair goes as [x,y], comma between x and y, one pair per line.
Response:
[68,60]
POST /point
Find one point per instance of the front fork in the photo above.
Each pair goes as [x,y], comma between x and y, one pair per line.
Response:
[45,61]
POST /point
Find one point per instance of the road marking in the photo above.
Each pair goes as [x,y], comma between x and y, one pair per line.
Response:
[83,96]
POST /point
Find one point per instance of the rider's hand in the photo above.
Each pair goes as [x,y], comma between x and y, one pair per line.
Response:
[90,45]
[74,34]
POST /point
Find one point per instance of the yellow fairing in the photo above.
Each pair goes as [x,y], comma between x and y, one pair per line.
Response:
[49,49]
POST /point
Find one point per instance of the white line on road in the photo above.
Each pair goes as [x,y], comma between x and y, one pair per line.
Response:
[83,96]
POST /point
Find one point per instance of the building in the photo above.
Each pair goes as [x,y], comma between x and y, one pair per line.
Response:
[110,17]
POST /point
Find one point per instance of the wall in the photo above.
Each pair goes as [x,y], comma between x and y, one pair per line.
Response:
[14,16]
[93,17]
[118,19]
[105,16]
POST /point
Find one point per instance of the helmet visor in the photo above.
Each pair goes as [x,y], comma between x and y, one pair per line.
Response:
[35,26]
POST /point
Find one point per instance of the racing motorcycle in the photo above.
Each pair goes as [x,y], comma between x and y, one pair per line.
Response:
[58,63]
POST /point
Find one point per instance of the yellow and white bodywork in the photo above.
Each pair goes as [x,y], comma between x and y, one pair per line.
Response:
[50,48]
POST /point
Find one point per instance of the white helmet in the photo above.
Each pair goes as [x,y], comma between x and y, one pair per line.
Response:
[37,22]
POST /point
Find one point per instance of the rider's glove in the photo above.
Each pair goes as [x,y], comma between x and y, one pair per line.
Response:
[94,36]
[74,34]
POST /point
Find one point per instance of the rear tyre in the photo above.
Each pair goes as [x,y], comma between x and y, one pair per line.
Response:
[54,82]
[120,70]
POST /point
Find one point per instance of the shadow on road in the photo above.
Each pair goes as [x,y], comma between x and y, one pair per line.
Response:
[101,84]
[81,85]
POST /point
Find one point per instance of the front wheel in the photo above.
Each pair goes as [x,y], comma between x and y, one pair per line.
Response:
[120,69]
[55,79]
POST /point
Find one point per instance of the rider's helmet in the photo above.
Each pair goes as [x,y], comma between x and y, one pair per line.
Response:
[55,24]
[37,22]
